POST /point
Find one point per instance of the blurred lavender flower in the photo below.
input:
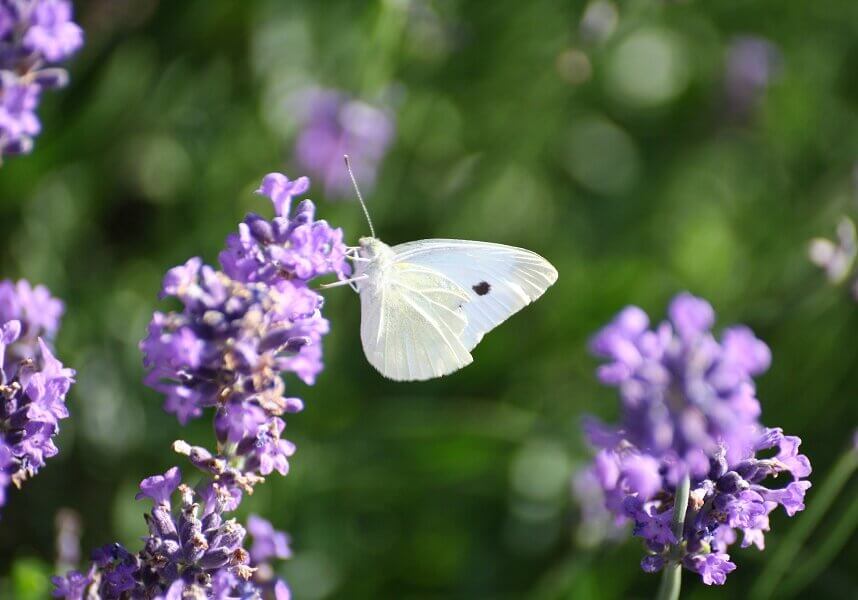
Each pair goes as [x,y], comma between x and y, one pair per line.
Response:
[683,392]
[33,33]
[598,524]
[333,124]
[837,259]
[751,65]
[67,542]
[268,544]
[51,33]
[32,403]
[599,21]
[6,466]
[689,410]
[38,312]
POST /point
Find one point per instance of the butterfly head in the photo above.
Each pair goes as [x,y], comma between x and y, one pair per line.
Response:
[371,248]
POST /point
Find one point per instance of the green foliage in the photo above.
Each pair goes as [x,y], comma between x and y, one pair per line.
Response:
[29,579]
[617,159]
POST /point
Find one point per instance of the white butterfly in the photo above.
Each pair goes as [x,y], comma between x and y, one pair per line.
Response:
[425,305]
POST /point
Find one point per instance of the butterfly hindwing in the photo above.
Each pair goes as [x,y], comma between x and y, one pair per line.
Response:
[412,323]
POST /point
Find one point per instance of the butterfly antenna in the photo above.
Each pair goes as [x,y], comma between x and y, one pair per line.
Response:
[357,191]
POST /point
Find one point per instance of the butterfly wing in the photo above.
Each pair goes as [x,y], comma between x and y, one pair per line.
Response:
[412,322]
[499,280]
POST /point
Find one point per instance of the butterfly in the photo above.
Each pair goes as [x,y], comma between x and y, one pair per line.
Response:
[426,304]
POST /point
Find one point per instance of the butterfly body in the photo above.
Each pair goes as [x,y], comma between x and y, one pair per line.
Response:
[425,305]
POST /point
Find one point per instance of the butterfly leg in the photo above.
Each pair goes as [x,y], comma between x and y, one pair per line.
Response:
[349,282]
[352,254]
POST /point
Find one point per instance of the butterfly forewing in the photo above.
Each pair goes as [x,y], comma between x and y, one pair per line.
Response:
[499,280]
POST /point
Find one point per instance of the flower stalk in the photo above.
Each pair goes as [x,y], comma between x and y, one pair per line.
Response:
[671,578]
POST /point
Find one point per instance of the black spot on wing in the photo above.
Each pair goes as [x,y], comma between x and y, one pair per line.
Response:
[482,288]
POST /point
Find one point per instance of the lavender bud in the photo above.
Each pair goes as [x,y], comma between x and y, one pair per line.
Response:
[212,521]
[22,145]
[276,339]
[294,344]
[261,229]
[162,523]
[52,78]
[196,544]
[731,483]
[216,559]
[232,535]
[293,405]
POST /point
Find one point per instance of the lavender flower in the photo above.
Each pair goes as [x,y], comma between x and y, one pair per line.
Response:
[32,403]
[230,344]
[52,33]
[191,551]
[334,124]
[683,392]
[292,248]
[239,331]
[73,586]
[689,410]
[33,384]
[33,33]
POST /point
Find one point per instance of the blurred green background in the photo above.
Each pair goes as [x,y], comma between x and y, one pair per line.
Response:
[643,147]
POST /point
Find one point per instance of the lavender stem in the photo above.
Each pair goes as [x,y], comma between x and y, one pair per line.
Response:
[671,579]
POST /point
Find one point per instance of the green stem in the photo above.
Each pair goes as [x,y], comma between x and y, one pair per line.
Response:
[671,581]
[823,554]
[789,548]
[380,56]
[680,506]
[671,578]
